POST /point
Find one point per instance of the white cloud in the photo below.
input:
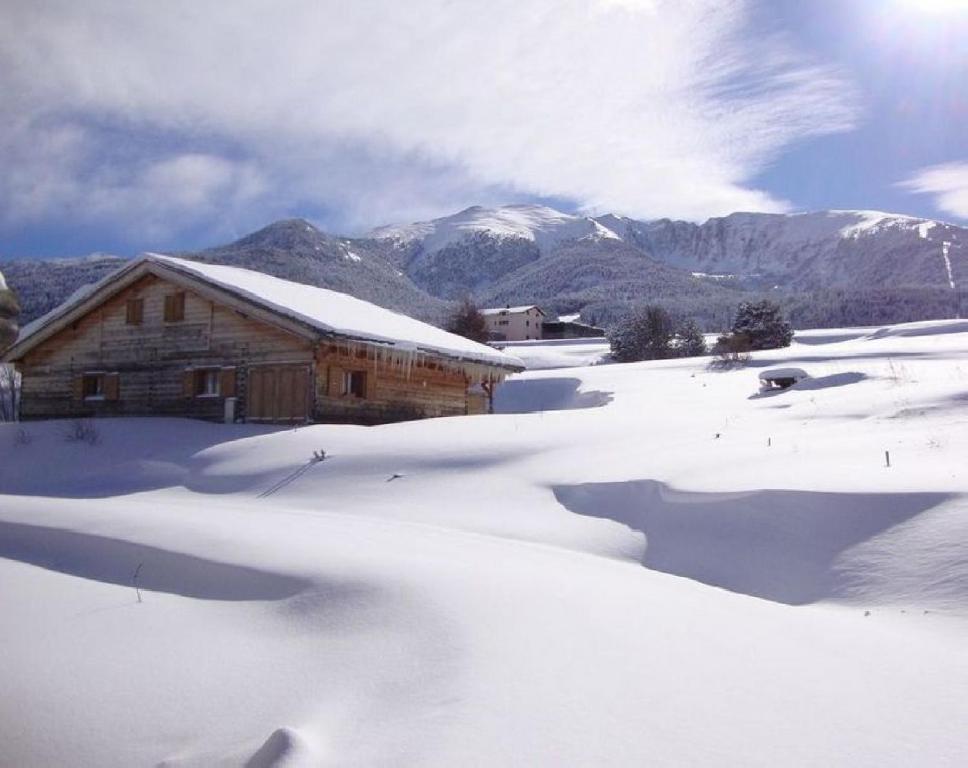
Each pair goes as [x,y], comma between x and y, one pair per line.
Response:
[948,183]
[385,110]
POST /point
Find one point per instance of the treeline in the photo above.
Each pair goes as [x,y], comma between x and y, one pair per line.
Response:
[834,308]
[876,306]
[650,332]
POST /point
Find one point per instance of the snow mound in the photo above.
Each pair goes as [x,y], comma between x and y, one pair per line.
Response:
[558,353]
[285,748]
[798,547]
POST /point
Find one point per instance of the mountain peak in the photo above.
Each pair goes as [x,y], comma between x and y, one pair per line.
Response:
[285,233]
[544,226]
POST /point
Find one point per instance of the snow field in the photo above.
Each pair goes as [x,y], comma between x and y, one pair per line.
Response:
[667,569]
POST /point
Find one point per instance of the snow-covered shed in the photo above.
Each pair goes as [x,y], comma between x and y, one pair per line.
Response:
[781,378]
[170,336]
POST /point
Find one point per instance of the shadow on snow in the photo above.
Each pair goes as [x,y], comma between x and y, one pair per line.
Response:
[778,545]
[551,394]
[115,561]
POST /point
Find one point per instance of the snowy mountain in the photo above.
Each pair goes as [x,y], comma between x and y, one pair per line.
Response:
[294,249]
[473,250]
[809,251]
[602,279]
[828,267]
[806,251]
[42,284]
[539,224]
[834,266]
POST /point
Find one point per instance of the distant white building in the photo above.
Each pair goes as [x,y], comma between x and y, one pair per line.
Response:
[514,323]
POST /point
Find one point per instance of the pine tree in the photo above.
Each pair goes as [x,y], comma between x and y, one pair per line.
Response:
[690,341]
[643,334]
[762,322]
[467,321]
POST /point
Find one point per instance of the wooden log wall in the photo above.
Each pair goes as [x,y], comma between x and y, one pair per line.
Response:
[394,391]
[150,358]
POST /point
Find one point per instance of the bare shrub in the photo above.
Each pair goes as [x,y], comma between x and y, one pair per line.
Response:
[732,350]
[468,321]
[82,431]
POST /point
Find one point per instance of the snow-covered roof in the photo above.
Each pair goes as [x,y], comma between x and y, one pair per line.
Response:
[784,373]
[324,310]
[510,310]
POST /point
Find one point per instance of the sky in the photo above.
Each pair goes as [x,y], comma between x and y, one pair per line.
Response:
[178,125]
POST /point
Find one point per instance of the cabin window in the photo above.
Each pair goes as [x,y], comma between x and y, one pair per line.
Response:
[175,307]
[93,386]
[207,383]
[354,383]
[135,311]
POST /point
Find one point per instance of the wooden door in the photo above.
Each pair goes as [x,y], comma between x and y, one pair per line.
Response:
[278,393]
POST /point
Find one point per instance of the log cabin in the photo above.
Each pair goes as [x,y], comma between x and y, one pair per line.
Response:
[168,336]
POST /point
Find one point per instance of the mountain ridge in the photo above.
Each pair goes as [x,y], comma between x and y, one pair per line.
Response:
[595,265]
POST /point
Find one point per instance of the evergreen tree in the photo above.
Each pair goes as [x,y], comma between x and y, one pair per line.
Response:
[643,334]
[762,322]
[467,321]
[690,341]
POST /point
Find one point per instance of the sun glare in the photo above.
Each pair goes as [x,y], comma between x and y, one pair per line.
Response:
[937,6]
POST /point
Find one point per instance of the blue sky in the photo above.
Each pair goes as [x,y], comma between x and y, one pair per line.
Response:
[910,66]
[167,126]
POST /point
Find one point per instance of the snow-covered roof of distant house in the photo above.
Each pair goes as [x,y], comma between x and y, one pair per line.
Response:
[510,310]
[324,310]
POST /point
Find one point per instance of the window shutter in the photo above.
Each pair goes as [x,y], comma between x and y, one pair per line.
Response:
[134,311]
[78,388]
[335,381]
[226,385]
[174,307]
[112,386]
[188,383]
[369,384]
